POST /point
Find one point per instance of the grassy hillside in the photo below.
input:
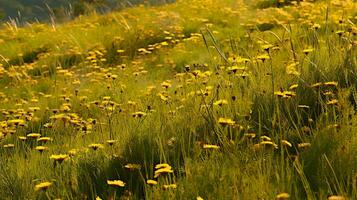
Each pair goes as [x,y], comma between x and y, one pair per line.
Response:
[199,99]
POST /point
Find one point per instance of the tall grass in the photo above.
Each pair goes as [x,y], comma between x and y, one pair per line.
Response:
[237,109]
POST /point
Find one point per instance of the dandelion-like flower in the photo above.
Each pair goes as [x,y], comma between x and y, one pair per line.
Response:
[282,196]
[335,197]
[170,186]
[132,166]
[138,114]
[111,142]
[304,145]
[162,169]
[41,148]
[226,121]
[33,135]
[151,182]
[221,102]
[116,183]
[43,186]
[210,146]
[59,157]
[95,146]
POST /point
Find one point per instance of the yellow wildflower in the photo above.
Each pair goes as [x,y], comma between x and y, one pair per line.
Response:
[151,182]
[43,186]
[226,121]
[116,183]
[282,196]
[210,146]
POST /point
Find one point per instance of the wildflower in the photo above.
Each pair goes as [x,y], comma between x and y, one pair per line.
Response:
[220,102]
[316,26]
[332,102]
[264,138]
[138,114]
[282,196]
[293,87]
[340,32]
[106,98]
[95,146]
[151,182]
[328,93]
[266,47]
[164,43]
[132,166]
[34,109]
[22,138]
[199,198]
[303,106]
[304,145]
[331,83]
[235,68]
[72,152]
[111,142]
[48,125]
[116,183]
[43,186]
[59,157]
[286,143]
[285,94]
[335,197]
[34,135]
[170,186]
[308,50]
[16,122]
[163,165]
[291,69]
[8,146]
[263,57]
[41,148]
[268,144]
[249,135]
[166,84]
[162,169]
[226,121]
[44,139]
[210,146]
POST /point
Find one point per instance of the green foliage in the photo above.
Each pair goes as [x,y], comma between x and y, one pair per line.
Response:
[233,101]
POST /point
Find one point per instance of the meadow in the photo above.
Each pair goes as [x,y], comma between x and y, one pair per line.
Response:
[198,99]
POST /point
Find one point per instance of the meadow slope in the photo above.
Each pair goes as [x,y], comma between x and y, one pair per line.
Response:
[198,99]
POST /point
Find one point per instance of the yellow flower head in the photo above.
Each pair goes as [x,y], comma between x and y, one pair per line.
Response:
[210,146]
[132,166]
[283,196]
[95,146]
[116,183]
[151,182]
[220,102]
[59,157]
[162,169]
[34,135]
[41,148]
[226,121]
[43,186]
[170,186]
[44,139]
[111,142]
[138,114]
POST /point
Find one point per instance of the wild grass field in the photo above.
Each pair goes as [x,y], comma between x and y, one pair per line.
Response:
[198,99]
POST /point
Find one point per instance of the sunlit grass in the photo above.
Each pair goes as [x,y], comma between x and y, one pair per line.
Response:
[191,100]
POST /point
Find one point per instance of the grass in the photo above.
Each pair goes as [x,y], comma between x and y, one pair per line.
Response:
[238,101]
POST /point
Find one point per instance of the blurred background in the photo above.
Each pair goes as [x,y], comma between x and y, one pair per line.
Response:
[62,10]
